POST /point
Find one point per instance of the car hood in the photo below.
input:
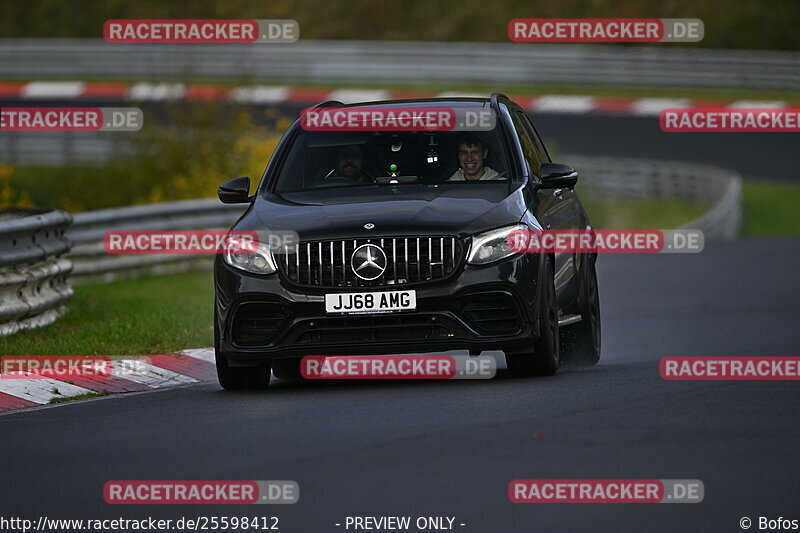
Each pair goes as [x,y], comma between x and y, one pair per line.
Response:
[408,213]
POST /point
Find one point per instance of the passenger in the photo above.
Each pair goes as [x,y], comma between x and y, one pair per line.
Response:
[472,154]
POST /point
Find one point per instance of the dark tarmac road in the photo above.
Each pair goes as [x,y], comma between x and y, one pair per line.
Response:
[451,448]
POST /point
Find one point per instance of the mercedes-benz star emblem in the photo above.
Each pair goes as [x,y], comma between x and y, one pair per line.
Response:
[368,262]
[369,225]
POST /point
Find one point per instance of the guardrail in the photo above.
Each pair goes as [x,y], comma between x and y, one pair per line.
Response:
[91,261]
[651,179]
[57,149]
[33,275]
[33,294]
[75,148]
[402,61]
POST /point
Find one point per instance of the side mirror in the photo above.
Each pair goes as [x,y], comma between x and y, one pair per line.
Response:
[558,176]
[235,191]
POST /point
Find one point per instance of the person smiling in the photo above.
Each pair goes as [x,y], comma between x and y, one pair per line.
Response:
[472,155]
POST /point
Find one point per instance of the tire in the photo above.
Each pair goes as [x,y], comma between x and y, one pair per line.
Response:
[582,341]
[544,359]
[286,368]
[238,378]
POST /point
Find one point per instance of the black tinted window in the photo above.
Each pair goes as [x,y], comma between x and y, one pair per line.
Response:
[526,141]
[349,159]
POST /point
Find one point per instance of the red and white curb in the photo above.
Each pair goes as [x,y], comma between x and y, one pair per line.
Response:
[129,375]
[280,94]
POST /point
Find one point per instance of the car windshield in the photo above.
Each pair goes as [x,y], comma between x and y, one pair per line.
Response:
[326,160]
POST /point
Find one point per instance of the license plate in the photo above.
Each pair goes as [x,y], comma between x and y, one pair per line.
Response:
[370,302]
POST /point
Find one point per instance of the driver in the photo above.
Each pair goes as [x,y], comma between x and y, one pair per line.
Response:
[350,161]
[472,154]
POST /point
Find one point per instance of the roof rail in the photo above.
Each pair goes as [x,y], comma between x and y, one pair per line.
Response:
[329,103]
[493,103]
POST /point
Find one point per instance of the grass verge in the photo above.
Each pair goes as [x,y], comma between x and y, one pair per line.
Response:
[636,214]
[78,397]
[770,208]
[146,316]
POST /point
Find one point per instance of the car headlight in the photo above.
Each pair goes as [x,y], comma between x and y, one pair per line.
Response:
[250,257]
[492,245]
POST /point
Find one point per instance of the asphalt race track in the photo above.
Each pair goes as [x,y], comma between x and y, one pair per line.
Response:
[451,448]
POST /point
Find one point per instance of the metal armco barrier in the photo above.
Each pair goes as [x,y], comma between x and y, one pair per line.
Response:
[90,259]
[33,284]
[395,61]
[33,275]
[184,214]
[648,179]
[58,148]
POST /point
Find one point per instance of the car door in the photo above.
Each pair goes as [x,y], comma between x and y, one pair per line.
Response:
[558,209]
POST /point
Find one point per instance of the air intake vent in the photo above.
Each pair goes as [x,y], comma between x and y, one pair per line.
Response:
[493,312]
[255,324]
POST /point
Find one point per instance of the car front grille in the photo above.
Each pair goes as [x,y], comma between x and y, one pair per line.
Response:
[408,260]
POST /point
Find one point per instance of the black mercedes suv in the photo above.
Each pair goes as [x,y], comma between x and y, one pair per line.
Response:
[402,247]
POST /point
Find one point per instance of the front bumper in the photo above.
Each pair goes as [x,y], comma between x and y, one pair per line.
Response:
[480,308]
